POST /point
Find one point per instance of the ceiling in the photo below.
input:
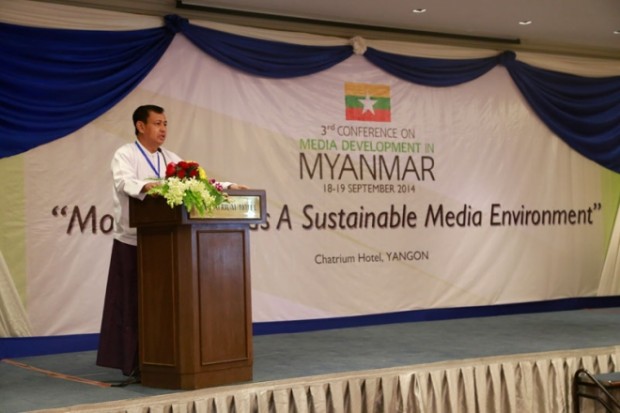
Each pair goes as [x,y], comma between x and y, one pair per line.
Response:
[584,25]
[577,27]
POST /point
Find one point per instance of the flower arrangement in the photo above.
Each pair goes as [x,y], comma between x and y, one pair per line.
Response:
[187,183]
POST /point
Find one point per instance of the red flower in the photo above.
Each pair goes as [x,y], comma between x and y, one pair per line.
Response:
[170,169]
[183,169]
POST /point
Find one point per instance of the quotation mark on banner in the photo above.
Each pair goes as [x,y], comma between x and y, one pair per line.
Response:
[85,221]
[63,211]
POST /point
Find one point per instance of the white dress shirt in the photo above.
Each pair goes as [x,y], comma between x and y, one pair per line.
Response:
[131,171]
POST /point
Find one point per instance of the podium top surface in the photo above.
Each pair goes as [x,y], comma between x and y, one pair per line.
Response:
[246,206]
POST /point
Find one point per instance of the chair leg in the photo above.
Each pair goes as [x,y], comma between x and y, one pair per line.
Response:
[603,396]
[576,398]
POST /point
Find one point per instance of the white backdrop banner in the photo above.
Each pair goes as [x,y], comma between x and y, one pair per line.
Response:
[383,196]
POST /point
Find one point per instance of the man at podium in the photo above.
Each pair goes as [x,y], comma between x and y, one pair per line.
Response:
[135,168]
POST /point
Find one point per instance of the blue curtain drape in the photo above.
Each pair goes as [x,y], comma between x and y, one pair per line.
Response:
[54,81]
[431,72]
[262,57]
[584,112]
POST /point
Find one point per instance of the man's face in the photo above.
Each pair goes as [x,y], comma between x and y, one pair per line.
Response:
[153,131]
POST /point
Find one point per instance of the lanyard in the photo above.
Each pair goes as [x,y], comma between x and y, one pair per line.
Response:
[149,160]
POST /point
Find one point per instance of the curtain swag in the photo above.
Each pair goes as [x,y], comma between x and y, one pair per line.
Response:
[54,81]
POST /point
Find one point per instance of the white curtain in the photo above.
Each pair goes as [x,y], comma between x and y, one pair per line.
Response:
[610,277]
[532,383]
[13,318]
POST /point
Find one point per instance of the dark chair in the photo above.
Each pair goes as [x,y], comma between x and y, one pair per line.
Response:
[596,387]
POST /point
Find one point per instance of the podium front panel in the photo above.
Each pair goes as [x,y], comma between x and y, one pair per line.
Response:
[157,301]
[195,305]
[222,279]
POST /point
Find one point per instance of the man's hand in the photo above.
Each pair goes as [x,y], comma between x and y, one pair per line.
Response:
[149,186]
[238,186]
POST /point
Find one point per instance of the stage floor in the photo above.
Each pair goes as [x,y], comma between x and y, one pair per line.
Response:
[299,355]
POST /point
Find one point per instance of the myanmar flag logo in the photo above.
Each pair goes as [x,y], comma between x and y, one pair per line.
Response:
[365,101]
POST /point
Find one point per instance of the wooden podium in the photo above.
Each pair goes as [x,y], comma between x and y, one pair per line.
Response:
[195,308]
